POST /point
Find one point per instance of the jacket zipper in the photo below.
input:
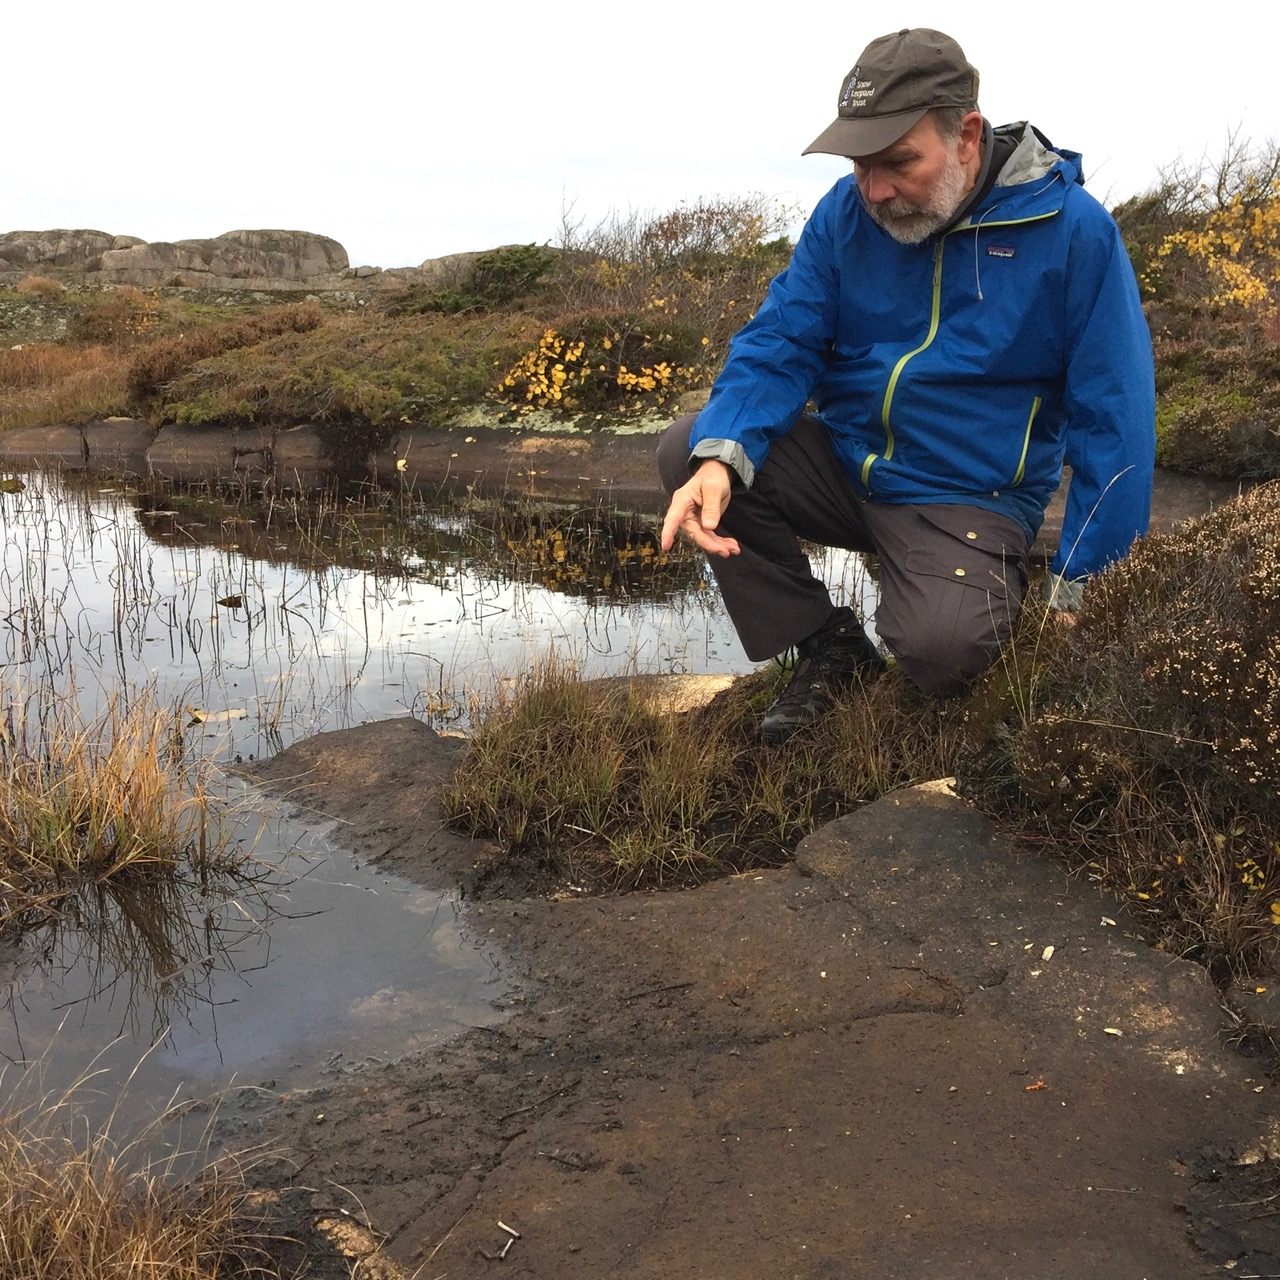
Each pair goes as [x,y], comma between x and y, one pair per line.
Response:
[934,317]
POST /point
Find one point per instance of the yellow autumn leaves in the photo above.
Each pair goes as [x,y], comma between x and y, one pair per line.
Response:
[1239,247]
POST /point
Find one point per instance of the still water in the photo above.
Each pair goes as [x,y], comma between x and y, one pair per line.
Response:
[268,623]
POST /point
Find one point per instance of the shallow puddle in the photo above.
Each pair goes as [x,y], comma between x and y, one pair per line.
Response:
[269,623]
[321,966]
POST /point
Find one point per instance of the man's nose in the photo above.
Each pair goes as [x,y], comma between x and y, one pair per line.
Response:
[877,186]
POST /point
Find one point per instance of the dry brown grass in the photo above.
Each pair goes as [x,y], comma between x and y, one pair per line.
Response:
[46,383]
[81,1205]
[594,783]
[41,287]
[88,799]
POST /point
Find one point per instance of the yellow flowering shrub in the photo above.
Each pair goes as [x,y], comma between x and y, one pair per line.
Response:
[597,363]
[1239,246]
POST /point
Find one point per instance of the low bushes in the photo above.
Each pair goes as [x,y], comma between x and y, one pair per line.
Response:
[1144,743]
[353,371]
[161,362]
[1219,410]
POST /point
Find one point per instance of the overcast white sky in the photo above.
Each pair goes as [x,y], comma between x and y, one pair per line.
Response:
[411,131]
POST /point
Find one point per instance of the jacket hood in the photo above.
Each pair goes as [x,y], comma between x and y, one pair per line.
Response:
[1034,157]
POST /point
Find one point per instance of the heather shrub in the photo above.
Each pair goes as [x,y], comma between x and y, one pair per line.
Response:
[495,279]
[353,372]
[1218,411]
[118,318]
[1144,743]
[161,361]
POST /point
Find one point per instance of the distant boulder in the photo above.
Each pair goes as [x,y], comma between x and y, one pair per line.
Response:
[236,260]
[276,260]
[77,250]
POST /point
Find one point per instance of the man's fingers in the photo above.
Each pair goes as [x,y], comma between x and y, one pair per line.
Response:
[709,541]
[712,508]
[696,509]
[677,514]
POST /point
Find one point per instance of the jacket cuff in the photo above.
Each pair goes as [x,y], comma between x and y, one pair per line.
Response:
[730,452]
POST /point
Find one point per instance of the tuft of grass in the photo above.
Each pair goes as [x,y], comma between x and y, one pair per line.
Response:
[593,781]
[41,287]
[82,1205]
[95,800]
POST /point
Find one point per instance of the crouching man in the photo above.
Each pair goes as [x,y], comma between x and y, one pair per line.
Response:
[958,317]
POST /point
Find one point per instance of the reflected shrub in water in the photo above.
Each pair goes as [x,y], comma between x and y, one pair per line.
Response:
[588,552]
[92,800]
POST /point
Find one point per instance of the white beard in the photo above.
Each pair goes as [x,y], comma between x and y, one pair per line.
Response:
[911,223]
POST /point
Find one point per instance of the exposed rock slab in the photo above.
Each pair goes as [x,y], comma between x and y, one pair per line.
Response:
[236,260]
[34,447]
[823,1071]
[197,454]
[117,446]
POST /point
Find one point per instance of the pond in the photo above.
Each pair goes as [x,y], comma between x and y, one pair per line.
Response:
[266,621]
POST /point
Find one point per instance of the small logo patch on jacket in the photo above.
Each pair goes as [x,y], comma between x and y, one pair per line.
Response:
[1001,251]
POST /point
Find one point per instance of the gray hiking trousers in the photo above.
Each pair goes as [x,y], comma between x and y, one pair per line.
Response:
[952,576]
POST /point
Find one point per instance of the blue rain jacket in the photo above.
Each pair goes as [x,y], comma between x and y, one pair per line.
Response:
[966,368]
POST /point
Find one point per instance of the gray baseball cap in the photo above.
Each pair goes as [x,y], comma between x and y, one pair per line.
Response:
[894,84]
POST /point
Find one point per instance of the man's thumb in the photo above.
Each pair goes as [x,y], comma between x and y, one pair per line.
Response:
[710,509]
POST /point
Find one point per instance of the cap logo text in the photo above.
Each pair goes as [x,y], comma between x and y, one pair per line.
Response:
[856,92]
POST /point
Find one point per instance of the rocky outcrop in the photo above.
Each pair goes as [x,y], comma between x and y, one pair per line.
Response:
[269,260]
[25,251]
[236,260]
[275,260]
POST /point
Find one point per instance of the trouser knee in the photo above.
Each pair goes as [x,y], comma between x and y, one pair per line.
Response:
[673,453]
[944,667]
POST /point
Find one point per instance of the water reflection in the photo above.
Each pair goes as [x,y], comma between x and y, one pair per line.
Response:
[307,617]
[147,949]
[315,966]
[267,621]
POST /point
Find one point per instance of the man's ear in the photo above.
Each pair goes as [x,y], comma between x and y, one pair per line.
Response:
[970,138]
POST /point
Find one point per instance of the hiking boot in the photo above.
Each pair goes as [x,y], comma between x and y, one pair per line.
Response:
[835,657]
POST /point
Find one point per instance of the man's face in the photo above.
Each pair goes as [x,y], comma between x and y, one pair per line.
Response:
[914,187]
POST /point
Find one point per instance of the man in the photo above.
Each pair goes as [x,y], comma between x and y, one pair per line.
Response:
[958,316]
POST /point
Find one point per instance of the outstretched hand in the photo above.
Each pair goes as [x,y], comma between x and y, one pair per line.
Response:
[696,508]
